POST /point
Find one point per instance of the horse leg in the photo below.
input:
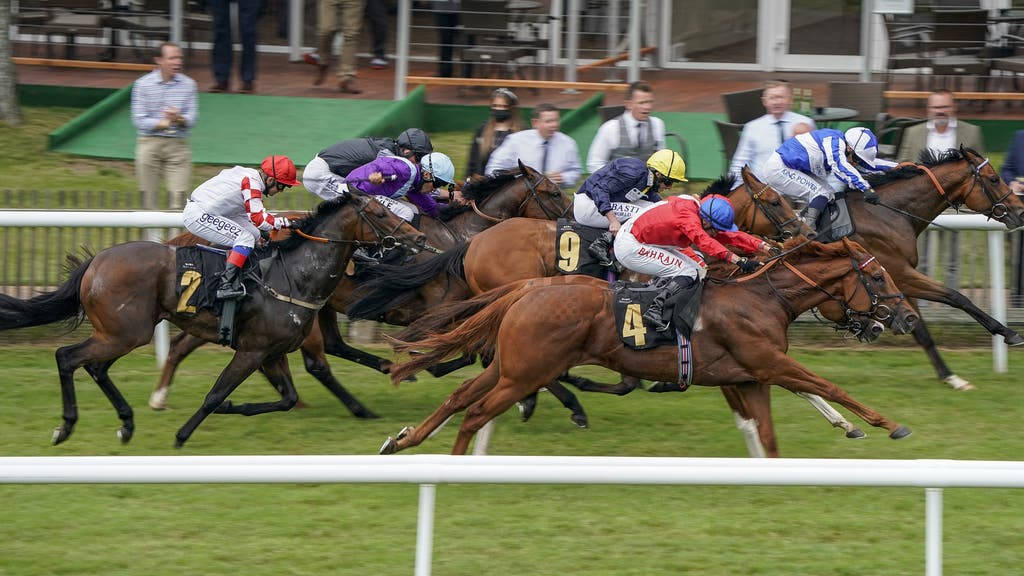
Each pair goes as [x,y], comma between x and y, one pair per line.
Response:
[446,368]
[316,364]
[924,339]
[276,370]
[794,377]
[470,391]
[626,384]
[242,365]
[100,374]
[335,345]
[570,401]
[182,345]
[745,421]
[834,418]
[504,394]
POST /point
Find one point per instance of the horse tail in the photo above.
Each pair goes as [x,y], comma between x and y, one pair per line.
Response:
[64,303]
[390,284]
[468,327]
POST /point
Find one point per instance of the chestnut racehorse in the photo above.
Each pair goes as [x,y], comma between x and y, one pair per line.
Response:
[125,290]
[524,192]
[538,329]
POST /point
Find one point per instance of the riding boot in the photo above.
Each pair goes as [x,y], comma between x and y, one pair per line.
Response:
[230,283]
[600,248]
[810,217]
[653,314]
[362,257]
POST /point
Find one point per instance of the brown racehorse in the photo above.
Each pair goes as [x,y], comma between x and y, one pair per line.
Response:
[524,192]
[538,329]
[125,290]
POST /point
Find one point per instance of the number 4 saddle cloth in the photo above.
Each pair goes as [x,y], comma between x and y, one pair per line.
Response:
[630,302]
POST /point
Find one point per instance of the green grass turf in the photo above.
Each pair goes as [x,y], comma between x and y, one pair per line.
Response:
[500,529]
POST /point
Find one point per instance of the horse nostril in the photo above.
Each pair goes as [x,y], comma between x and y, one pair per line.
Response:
[911,319]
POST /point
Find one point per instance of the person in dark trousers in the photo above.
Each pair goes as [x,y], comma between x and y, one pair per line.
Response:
[223,50]
[377,13]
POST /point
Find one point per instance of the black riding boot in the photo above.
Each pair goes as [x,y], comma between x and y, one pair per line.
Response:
[810,217]
[653,315]
[600,247]
[230,283]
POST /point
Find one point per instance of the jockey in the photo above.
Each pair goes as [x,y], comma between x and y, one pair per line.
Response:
[657,243]
[228,210]
[324,173]
[392,177]
[800,167]
[620,190]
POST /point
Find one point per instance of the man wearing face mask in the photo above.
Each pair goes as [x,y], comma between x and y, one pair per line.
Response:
[505,119]
[942,131]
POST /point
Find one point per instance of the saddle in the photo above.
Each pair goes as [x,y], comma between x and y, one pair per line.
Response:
[571,242]
[632,299]
[837,222]
[198,270]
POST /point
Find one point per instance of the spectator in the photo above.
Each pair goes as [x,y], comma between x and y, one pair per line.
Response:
[223,48]
[942,131]
[761,136]
[543,148]
[324,174]
[377,12]
[1013,165]
[505,119]
[228,210]
[446,19]
[164,108]
[634,134]
[333,16]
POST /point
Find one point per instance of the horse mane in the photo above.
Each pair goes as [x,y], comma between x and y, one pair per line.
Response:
[480,187]
[307,224]
[723,186]
[928,158]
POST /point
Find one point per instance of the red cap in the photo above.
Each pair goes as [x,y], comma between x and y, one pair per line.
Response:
[281,168]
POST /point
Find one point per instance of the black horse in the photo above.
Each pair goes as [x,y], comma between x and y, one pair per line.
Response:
[125,290]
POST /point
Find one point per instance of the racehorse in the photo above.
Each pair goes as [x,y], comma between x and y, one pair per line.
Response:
[519,249]
[911,197]
[538,329]
[125,290]
[522,192]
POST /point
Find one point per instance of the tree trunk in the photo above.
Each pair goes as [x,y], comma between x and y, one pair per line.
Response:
[10,111]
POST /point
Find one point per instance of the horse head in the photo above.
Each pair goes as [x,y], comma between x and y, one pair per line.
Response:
[761,210]
[521,192]
[989,195]
[359,220]
[864,300]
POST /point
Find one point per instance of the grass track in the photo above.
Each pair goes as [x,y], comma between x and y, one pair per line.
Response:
[364,529]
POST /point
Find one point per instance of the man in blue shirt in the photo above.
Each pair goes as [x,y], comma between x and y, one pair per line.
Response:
[543,148]
[761,136]
[164,108]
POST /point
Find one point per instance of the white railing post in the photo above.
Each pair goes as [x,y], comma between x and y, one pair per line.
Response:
[998,288]
[933,532]
[425,530]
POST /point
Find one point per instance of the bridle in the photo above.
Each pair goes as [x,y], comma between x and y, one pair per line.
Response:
[762,207]
[385,240]
[532,195]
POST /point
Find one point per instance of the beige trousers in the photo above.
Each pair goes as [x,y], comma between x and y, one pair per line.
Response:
[345,16]
[170,158]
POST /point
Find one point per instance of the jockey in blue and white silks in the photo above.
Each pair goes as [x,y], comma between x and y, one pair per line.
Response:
[802,166]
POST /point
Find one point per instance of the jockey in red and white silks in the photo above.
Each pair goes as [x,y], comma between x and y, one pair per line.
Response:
[657,241]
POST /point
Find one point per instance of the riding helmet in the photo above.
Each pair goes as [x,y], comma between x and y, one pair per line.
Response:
[440,167]
[717,210]
[416,140]
[668,164]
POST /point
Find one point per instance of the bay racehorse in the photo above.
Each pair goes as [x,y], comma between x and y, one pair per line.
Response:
[522,192]
[538,329]
[125,290]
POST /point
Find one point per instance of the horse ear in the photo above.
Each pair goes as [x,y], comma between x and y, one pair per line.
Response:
[522,167]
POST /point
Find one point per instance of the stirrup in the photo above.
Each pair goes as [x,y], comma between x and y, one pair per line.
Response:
[657,323]
[230,292]
[602,256]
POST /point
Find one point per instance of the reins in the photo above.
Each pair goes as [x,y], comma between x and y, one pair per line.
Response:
[533,195]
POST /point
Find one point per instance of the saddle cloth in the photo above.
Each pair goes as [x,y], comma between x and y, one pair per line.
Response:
[837,222]
[571,242]
[198,274]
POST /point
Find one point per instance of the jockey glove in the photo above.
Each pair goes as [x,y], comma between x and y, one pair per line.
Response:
[747,265]
[870,196]
[282,223]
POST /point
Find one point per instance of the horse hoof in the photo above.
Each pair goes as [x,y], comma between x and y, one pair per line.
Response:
[1015,340]
[410,378]
[901,432]
[158,399]
[59,435]
[957,383]
[856,433]
[404,432]
[580,420]
[124,434]
[389,447]
[300,405]
[526,407]
[660,387]
[365,414]
[179,441]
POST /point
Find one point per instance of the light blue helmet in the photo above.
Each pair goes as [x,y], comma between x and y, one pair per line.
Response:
[440,167]
[717,210]
[864,144]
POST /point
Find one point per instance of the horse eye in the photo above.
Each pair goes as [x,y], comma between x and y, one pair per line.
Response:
[879,278]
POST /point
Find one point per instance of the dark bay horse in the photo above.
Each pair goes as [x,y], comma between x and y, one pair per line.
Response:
[538,329]
[125,290]
[522,192]
[910,200]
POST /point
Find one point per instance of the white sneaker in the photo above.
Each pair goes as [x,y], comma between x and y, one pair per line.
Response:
[378,63]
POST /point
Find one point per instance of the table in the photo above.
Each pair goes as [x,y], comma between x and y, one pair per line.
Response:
[825,116]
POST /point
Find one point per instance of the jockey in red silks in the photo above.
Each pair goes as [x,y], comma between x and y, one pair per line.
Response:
[228,210]
[658,243]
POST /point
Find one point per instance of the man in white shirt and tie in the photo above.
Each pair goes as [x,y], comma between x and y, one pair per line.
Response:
[941,132]
[543,148]
[634,134]
[761,136]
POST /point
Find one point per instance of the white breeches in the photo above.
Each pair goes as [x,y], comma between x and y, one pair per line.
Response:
[217,229]
[658,261]
[404,210]
[318,179]
[797,185]
[584,211]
